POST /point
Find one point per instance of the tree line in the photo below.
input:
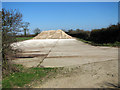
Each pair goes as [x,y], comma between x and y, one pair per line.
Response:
[110,34]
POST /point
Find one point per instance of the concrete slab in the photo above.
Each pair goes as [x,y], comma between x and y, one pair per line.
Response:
[41,45]
[64,52]
[29,62]
[90,66]
[73,52]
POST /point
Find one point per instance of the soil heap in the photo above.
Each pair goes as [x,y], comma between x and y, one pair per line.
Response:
[53,34]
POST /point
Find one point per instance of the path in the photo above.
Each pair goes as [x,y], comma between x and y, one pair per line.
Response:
[94,75]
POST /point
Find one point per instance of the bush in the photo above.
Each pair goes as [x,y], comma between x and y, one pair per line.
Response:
[106,35]
[110,34]
[79,34]
[11,21]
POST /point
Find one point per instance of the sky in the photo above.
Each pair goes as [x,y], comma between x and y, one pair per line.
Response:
[60,0]
[66,15]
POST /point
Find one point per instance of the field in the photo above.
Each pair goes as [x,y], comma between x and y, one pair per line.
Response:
[23,38]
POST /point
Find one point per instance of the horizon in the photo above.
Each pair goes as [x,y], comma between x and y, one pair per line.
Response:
[66,15]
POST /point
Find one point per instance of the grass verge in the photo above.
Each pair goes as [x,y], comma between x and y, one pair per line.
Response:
[25,76]
[23,38]
[116,44]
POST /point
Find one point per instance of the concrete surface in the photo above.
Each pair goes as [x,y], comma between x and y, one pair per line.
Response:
[90,66]
[63,52]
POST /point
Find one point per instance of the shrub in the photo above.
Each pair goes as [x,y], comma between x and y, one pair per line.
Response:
[11,21]
[79,34]
[106,35]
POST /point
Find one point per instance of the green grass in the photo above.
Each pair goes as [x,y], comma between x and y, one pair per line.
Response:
[116,44]
[27,75]
[23,38]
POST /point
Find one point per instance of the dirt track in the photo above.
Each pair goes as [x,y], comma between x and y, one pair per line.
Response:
[94,75]
[98,65]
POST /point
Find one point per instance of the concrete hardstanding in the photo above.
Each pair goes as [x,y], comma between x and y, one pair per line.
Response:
[64,52]
[90,66]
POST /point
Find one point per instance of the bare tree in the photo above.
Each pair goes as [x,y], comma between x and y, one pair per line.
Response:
[25,27]
[11,20]
[37,31]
